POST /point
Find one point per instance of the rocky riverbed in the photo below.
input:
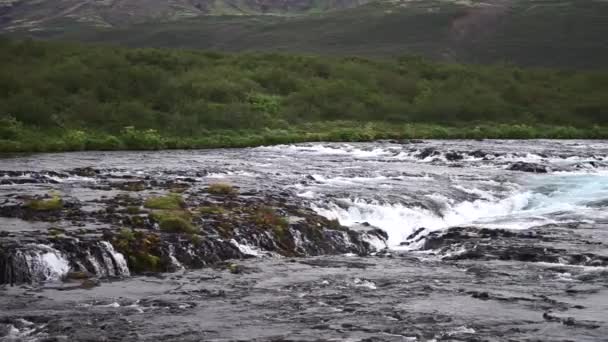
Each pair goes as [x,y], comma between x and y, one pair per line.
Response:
[386,241]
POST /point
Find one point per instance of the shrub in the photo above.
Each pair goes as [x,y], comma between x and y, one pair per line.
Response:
[75,140]
[10,128]
[148,139]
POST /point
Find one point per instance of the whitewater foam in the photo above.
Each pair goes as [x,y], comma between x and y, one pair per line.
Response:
[550,200]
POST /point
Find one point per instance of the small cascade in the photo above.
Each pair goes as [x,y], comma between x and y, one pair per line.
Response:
[104,261]
[33,263]
[120,264]
[175,264]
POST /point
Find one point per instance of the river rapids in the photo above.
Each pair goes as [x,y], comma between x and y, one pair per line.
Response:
[489,240]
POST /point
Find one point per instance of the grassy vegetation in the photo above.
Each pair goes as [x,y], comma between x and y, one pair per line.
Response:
[174,221]
[174,224]
[221,189]
[169,202]
[58,96]
[50,204]
[268,217]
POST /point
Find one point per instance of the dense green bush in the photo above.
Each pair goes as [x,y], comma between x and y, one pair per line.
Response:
[59,96]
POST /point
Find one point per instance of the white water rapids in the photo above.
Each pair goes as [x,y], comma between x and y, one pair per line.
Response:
[559,199]
[396,186]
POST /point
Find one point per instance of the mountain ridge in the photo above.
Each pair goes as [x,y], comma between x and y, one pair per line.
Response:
[537,33]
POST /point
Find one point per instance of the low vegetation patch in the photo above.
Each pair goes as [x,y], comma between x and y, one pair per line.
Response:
[268,217]
[221,189]
[171,201]
[53,203]
[174,221]
[142,250]
[212,210]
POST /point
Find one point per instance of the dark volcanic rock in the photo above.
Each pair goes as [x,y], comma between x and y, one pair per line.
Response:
[461,243]
[453,156]
[528,167]
[428,152]
[147,236]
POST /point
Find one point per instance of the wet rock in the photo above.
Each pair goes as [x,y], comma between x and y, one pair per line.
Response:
[235,268]
[428,152]
[406,141]
[416,233]
[478,154]
[138,241]
[528,167]
[471,243]
[78,275]
[453,156]
[90,283]
[85,172]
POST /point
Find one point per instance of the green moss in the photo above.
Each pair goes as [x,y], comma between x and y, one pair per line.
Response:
[133,210]
[144,262]
[212,210]
[126,234]
[56,231]
[177,225]
[269,218]
[174,221]
[159,215]
[168,202]
[196,240]
[53,203]
[221,189]
[334,224]
[235,268]
[141,249]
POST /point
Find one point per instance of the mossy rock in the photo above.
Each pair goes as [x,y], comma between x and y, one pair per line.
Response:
[179,188]
[133,186]
[235,268]
[126,234]
[51,204]
[78,275]
[144,262]
[169,202]
[53,231]
[133,210]
[175,224]
[159,215]
[268,217]
[222,189]
[196,240]
[212,210]
[174,221]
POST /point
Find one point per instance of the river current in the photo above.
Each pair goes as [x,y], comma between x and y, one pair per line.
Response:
[554,191]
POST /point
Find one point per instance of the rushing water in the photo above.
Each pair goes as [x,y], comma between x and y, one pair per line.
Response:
[400,188]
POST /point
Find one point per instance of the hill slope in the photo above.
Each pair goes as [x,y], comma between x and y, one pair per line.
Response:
[199,97]
[548,33]
[40,15]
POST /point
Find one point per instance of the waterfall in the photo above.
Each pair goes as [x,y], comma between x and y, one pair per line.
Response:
[34,263]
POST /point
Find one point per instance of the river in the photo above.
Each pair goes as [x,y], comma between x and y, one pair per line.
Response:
[485,240]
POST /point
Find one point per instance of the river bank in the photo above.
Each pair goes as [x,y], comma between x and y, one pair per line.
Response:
[28,140]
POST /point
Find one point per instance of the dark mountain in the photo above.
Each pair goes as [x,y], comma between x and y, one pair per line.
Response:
[545,33]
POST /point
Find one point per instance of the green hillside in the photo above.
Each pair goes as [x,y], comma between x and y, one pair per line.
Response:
[57,96]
